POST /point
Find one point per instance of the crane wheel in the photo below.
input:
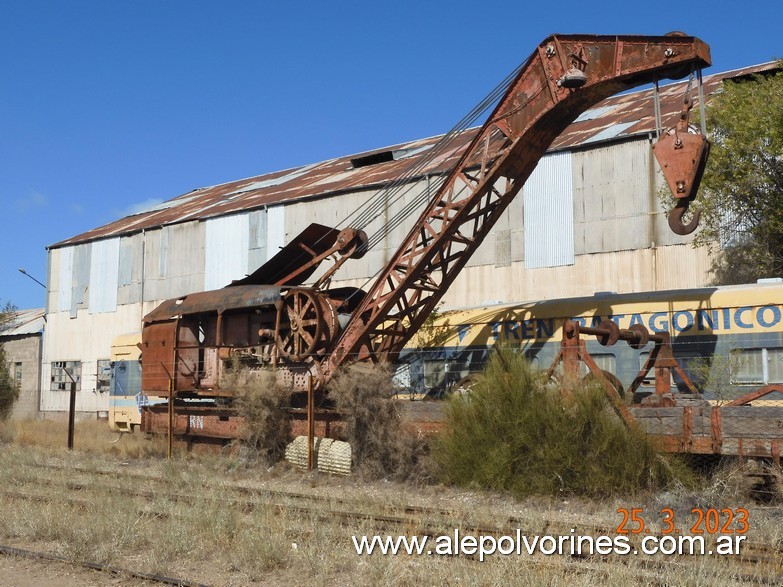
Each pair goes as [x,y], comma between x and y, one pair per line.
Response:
[300,324]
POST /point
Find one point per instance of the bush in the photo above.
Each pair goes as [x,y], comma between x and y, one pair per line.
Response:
[380,444]
[9,391]
[513,432]
[261,401]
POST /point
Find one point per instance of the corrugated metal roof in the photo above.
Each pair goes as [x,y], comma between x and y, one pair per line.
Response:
[616,118]
[25,322]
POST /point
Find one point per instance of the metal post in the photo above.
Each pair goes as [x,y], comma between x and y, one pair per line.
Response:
[71,414]
[171,418]
[310,422]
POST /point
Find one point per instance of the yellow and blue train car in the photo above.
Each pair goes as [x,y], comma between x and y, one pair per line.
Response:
[729,339]
[125,396]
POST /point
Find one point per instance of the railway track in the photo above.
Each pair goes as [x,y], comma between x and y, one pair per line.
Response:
[105,569]
[759,563]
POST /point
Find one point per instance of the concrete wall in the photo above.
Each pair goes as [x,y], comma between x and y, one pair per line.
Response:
[25,349]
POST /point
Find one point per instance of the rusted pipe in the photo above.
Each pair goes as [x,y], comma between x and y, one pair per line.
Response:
[608,334]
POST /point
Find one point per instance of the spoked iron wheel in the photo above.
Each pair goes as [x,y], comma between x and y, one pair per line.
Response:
[301,324]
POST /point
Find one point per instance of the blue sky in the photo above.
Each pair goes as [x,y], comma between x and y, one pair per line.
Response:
[106,105]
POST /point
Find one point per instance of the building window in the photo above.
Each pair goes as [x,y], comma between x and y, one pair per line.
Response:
[103,376]
[18,374]
[63,371]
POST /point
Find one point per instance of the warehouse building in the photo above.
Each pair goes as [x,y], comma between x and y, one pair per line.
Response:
[22,341]
[588,219]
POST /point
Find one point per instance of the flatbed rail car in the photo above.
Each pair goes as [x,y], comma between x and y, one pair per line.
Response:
[728,339]
[720,351]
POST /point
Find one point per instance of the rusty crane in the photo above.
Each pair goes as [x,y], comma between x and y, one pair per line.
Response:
[271,318]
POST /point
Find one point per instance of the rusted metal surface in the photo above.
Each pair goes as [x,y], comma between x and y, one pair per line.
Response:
[573,351]
[537,107]
[295,327]
[677,422]
[617,117]
[682,156]
[249,296]
[755,395]
[298,260]
[210,422]
[189,339]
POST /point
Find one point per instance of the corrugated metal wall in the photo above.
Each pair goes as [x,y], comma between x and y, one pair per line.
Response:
[257,237]
[669,267]
[104,275]
[276,237]
[182,253]
[130,267]
[81,278]
[549,213]
[611,203]
[64,283]
[225,250]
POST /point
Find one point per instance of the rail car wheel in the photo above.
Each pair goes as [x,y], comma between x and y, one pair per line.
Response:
[464,386]
[614,381]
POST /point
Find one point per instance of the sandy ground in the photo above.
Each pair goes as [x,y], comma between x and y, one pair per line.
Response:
[25,572]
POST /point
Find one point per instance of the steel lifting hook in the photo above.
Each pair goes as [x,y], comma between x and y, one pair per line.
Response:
[675,218]
[682,156]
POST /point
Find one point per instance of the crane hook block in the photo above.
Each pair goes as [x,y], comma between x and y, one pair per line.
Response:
[682,157]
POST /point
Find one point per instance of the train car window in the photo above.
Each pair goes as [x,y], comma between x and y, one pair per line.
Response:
[605,362]
[691,363]
[103,376]
[434,374]
[775,365]
[747,366]
[456,370]
[649,379]
[402,376]
[694,366]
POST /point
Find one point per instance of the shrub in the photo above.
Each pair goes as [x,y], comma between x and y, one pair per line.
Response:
[261,401]
[380,444]
[513,432]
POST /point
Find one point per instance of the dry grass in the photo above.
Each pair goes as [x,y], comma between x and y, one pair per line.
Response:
[207,539]
[90,436]
[186,524]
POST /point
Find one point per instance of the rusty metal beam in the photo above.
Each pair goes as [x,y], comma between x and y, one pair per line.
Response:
[565,76]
